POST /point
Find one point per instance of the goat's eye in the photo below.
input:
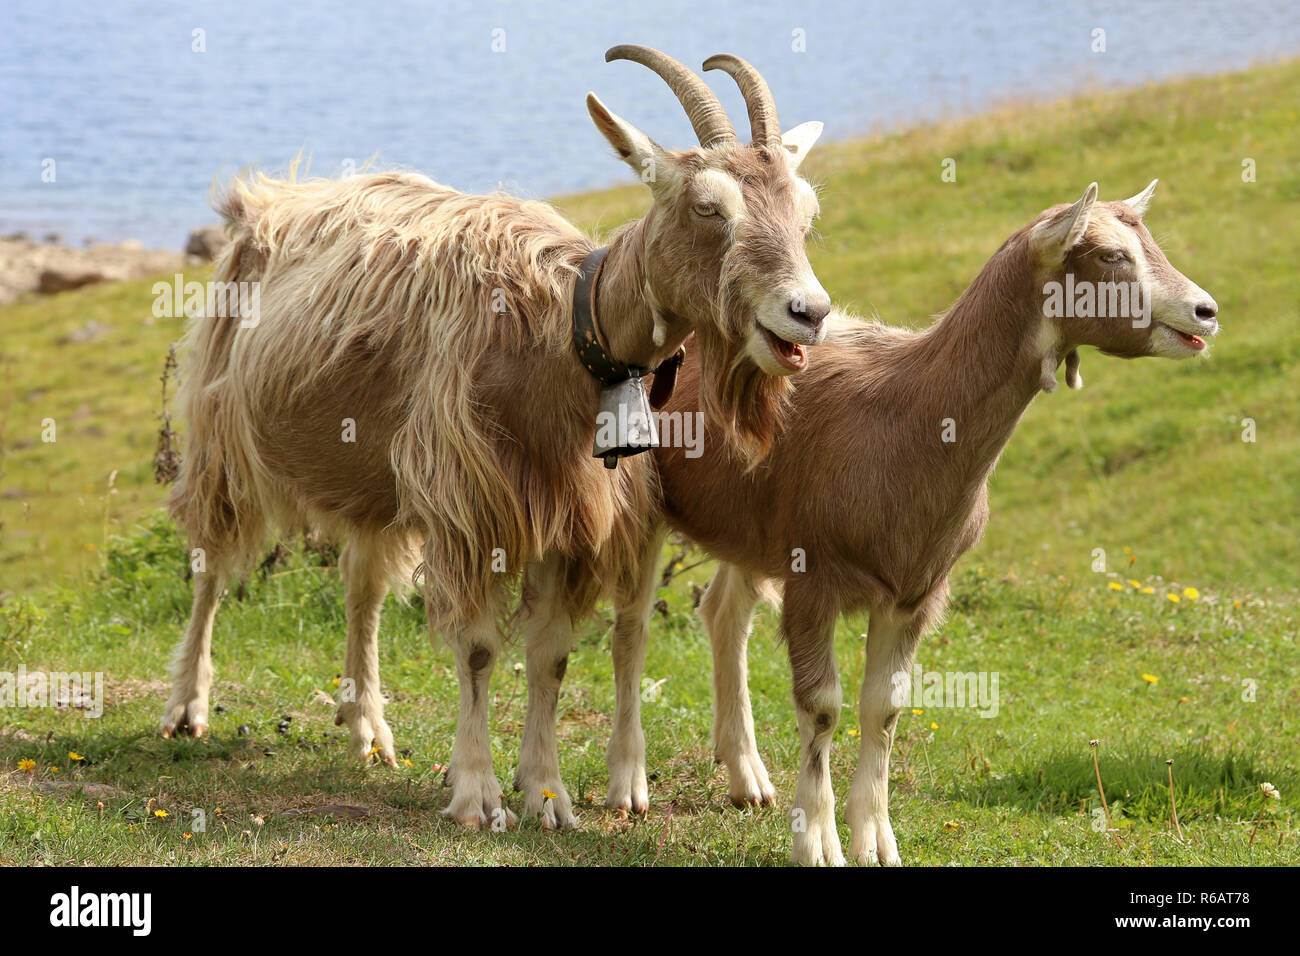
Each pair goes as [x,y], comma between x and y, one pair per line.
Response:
[705,209]
[1113,258]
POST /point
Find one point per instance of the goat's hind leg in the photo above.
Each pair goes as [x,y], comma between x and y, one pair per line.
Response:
[187,709]
[221,541]
[728,610]
[367,564]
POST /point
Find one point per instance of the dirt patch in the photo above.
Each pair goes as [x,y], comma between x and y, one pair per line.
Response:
[126,689]
[60,788]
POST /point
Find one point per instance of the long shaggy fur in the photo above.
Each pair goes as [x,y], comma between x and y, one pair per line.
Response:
[440,324]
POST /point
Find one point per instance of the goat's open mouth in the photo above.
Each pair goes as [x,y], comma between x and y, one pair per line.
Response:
[1194,342]
[789,354]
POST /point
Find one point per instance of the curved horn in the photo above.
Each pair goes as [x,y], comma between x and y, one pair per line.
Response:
[764,127]
[702,107]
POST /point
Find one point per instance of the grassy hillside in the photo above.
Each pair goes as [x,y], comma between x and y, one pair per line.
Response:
[1147,463]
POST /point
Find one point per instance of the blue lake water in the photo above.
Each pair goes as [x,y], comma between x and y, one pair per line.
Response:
[139,123]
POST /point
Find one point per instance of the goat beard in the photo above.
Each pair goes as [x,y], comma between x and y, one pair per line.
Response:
[734,392]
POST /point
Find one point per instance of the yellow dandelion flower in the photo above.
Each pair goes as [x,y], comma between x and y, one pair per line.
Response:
[933,725]
[160,813]
[1148,590]
[1183,700]
[73,755]
[1127,549]
[1151,678]
[335,682]
[1191,593]
[918,711]
[1136,584]
[54,770]
[549,795]
[27,765]
[1114,585]
[187,836]
[853,731]
[951,825]
[1174,598]
[1236,604]
[407,761]
[374,750]
[217,811]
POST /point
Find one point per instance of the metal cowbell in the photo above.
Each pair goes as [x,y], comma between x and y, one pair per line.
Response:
[625,423]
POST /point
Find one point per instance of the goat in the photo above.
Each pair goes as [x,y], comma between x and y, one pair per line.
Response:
[879,481]
[411,385]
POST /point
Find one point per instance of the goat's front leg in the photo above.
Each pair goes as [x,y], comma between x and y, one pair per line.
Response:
[548,630]
[728,610]
[476,794]
[808,621]
[891,648]
[625,756]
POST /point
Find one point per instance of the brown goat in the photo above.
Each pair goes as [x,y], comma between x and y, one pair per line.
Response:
[875,487]
[410,384]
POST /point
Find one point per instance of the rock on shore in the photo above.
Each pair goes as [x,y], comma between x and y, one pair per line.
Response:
[46,267]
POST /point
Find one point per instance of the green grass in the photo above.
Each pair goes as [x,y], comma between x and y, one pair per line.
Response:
[1147,463]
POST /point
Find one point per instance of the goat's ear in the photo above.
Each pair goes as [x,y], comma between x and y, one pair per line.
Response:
[650,161]
[1140,202]
[1057,235]
[799,140]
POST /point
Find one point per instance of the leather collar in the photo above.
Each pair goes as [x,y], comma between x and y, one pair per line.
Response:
[602,366]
